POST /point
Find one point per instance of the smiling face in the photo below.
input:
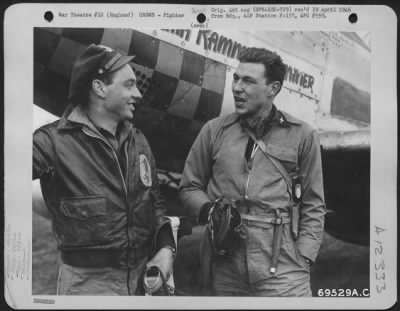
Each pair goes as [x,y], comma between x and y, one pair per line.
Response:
[253,96]
[121,95]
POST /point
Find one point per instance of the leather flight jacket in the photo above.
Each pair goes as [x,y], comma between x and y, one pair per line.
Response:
[103,214]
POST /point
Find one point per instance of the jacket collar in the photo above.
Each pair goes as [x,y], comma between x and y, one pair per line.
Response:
[282,119]
[76,116]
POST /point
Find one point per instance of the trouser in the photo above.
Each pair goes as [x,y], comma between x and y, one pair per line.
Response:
[247,272]
[105,281]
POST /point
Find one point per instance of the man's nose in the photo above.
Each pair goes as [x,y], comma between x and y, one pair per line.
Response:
[136,93]
[237,87]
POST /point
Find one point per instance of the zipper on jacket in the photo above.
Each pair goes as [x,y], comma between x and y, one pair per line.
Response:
[246,195]
[127,162]
[253,153]
[128,212]
[126,198]
[116,158]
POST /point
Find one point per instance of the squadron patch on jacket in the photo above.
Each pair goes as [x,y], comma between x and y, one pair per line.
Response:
[145,170]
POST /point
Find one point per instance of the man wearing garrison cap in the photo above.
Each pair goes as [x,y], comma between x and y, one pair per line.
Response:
[99,182]
[254,178]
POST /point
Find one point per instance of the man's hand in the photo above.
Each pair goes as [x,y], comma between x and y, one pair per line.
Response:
[164,260]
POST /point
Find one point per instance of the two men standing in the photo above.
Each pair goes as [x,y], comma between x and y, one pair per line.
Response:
[99,183]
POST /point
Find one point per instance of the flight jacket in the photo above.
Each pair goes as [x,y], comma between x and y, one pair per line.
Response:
[102,215]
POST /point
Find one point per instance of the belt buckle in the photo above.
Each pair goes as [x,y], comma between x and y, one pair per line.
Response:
[278,221]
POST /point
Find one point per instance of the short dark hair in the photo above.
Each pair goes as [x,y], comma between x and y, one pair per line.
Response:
[107,77]
[275,69]
[82,98]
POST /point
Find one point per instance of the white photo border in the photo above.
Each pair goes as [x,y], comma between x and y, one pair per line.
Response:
[20,19]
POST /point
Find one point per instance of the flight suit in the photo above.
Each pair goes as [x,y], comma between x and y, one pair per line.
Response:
[216,167]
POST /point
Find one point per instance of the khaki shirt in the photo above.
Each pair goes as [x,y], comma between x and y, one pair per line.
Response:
[216,167]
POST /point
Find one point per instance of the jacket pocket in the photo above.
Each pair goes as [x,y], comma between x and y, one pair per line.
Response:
[286,156]
[85,221]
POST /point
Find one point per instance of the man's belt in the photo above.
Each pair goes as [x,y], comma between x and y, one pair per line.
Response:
[259,220]
[280,219]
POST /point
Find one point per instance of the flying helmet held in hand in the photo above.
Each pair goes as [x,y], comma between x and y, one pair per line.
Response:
[224,227]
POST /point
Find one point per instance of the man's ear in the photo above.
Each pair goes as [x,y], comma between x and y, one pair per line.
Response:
[99,88]
[274,89]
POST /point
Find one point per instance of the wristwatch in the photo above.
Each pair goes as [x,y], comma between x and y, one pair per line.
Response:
[173,250]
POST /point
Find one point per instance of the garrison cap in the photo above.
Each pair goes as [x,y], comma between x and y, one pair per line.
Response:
[96,60]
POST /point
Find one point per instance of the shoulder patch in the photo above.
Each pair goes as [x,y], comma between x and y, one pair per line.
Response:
[289,118]
[145,170]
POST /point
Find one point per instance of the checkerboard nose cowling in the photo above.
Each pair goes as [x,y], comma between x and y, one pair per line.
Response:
[174,80]
[181,88]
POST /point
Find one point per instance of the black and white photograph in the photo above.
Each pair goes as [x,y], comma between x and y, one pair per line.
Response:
[204,161]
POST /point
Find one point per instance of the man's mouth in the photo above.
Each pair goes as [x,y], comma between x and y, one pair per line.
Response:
[132,105]
[239,101]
